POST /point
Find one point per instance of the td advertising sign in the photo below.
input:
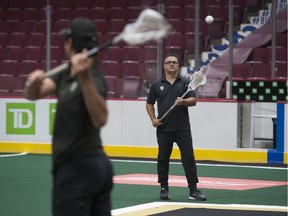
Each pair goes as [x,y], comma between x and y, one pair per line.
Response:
[27,121]
[20,118]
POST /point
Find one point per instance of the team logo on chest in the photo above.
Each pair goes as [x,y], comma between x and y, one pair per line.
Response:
[73,86]
[161,88]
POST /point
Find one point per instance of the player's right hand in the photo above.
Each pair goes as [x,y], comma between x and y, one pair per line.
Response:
[156,123]
[35,78]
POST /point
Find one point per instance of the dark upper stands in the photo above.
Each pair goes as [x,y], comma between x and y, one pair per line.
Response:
[128,69]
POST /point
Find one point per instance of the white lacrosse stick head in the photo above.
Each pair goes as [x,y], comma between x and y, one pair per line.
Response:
[199,78]
[149,26]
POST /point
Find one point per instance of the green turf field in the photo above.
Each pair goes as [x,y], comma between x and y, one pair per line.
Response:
[25,185]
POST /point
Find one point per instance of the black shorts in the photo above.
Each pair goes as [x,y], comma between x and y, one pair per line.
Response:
[82,187]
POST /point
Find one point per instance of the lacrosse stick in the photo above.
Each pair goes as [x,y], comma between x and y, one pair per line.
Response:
[149,26]
[199,78]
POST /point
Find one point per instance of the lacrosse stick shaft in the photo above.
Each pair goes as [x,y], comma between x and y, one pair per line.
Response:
[201,78]
[172,107]
[90,53]
[150,25]
[95,50]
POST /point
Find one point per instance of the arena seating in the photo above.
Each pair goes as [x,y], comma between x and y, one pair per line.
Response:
[23,37]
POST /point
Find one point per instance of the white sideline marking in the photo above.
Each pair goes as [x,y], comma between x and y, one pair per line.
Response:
[13,155]
[203,164]
[194,205]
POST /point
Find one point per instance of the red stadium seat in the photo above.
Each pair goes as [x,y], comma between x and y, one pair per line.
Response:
[133,13]
[85,4]
[4,38]
[58,25]
[134,54]
[203,12]
[15,4]
[111,86]
[101,13]
[38,40]
[15,14]
[261,71]
[115,53]
[150,53]
[175,40]
[100,4]
[118,13]
[259,54]
[9,26]
[217,3]
[219,13]
[133,69]
[281,54]
[190,43]
[2,53]
[101,25]
[282,71]
[8,84]
[57,40]
[10,68]
[175,12]
[281,40]
[83,12]
[178,26]
[190,26]
[123,4]
[26,26]
[179,3]
[29,66]
[16,53]
[34,14]
[19,39]
[114,69]
[252,5]
[101,39]
[40,27]
[216,30]
[21,85]
[238,14]
[150,71]
[64,14]
[117,25]
[114,76]
[35,4]
[241,71]
[53,64]
[131,87]
[35,54]
[62,4]
[58,54]
[239,3]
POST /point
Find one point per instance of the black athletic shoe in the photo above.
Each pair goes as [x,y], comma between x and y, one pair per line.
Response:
[196,194]
[164,193]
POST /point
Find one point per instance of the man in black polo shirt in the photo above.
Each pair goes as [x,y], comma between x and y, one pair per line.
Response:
[175,127]
[82,173]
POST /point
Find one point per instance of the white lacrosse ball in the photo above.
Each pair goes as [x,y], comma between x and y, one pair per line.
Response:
[209,19]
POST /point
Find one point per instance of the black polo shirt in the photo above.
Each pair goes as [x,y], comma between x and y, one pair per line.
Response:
[165,94]
[74,134]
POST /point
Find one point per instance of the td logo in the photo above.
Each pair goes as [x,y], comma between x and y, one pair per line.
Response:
[20,118]
[52,110]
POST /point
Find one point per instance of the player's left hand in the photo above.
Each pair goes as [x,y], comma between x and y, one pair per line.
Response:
[80,63]
[179,101]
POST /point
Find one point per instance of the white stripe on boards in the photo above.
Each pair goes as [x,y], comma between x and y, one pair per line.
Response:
[203,164]
[13,155]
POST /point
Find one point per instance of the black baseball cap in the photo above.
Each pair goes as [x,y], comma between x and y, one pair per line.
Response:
[81,29]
